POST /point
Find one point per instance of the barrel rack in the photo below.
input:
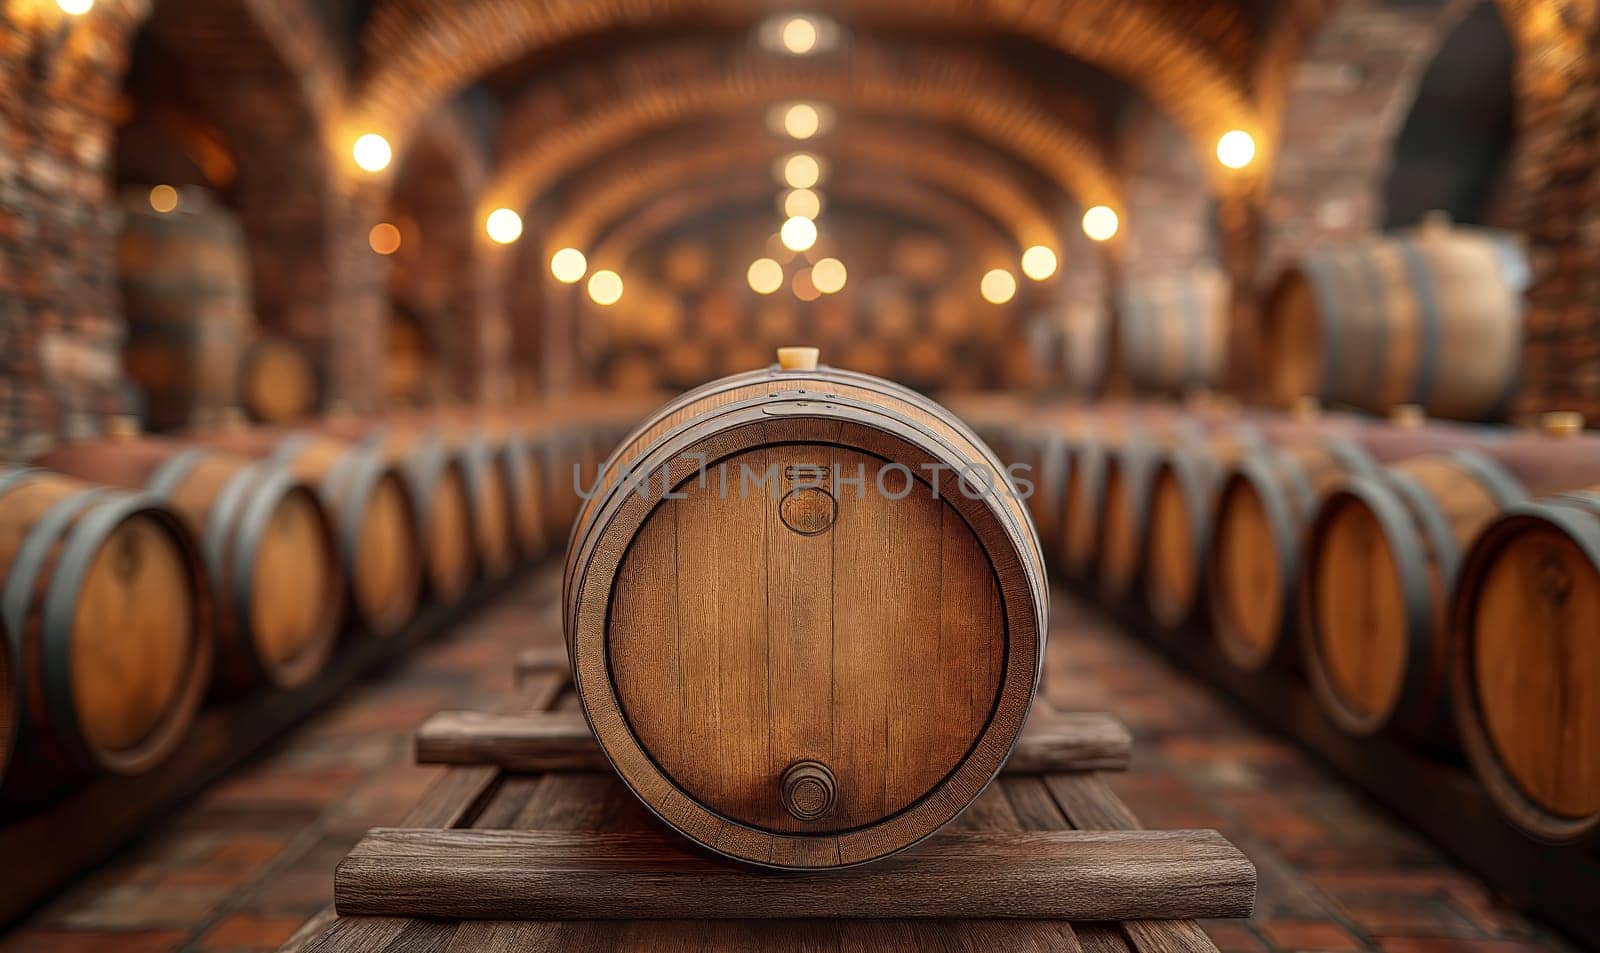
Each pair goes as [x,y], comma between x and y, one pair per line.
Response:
[72,835]
[1439,798]
[530,842]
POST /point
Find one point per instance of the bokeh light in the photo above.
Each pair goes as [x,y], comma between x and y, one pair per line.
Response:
[1236,149]
[798,233]
[504,226]
[802,121]
[384,238]
[1100,223]
[804,288]
[372,153]
[802,171]
[799,35]
[75,8]
[829,276]
[998,286]
[569,266]
[765,276]
[605,287]
[805,203]
[1039,262]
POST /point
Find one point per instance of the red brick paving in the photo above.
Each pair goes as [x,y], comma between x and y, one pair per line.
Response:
[238,869]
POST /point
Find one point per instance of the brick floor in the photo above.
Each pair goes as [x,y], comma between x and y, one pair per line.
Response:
[240,867]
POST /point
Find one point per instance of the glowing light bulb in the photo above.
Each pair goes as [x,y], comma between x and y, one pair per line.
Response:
[1100,223]
[799,35]
[1236,149]
[798,233]
[998,286]
[164,199]
[372,153]
[76,8]
[504,226]
[1039,262]
[569,266]
[765,276]
[802,121]
[384,238]
[829,276]
[802,202]
[605,288]
[802,171]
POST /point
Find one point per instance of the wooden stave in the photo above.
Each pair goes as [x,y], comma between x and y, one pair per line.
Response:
[1425,383]
[70,536]
[615,462]
[229,532]
[1415,529]
[666,450]
[1577,517]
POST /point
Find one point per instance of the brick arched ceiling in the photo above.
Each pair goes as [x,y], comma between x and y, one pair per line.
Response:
[1191,59]
[864,188]
[556,126]
[608,190]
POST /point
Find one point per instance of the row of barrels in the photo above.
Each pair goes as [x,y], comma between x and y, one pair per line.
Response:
[143,576]
[1437,582]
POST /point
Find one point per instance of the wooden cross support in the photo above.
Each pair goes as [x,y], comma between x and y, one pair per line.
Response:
[1051,742]
[583,875]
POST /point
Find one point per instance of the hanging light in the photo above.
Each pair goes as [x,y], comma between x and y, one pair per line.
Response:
[765,276]
[605,288]
[76,8]
[802,121]
[798,233]
[998,286]
[829,276]
[569,266]
[801,171]
[1236,149]
[798,35]
[384,238]
[372,153]
[805,203]
[1039,262]
[504,226]
[1100,223]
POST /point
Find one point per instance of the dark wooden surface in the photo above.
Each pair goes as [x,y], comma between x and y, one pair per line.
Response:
[67,837]
[585,875]
[486,799]
[1052,741]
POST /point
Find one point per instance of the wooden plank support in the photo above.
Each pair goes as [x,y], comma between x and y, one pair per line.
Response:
[1052,741]
[541,659]
[554,875]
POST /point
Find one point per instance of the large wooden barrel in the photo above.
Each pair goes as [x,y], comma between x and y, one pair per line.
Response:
[1088,471]
[278,382]
[1172,331]
[1526,686]
[379,532]
[1431,317]
[108,644]
[185,280]
[753,663]
[269,548]
[487,467]
[1264,505]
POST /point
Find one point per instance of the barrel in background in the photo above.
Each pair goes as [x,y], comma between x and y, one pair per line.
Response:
[1172,331]
[185,282]
[1431,317]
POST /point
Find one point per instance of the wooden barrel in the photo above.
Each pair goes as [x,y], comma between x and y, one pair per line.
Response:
[1526,685]
[1088,467]
[1173,329]
[440,490]
[185,281]
[278,383]
[1264,505]
[521,462]
[104,615]
[376,522]
[852,742]
[268,545]
[1431,317]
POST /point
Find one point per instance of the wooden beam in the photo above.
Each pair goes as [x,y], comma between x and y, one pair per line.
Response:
[1052,741]
[554,875]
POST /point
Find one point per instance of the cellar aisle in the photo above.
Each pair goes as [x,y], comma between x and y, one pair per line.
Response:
[243,866]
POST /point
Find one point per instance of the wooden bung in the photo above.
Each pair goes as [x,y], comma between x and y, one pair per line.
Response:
[268,545]
[375,522]
[756,619]
[109,643]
